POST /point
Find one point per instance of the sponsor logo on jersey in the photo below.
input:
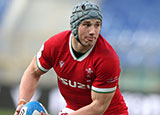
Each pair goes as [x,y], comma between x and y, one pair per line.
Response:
[113,79]
[74,84]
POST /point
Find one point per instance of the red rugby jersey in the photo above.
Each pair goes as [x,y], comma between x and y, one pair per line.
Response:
[97,70]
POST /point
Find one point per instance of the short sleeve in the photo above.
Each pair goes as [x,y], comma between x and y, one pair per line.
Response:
[43,57]
[107,75]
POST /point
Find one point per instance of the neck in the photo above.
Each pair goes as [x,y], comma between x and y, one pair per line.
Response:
[78,47]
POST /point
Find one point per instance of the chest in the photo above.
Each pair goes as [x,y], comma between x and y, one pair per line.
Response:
[73,72]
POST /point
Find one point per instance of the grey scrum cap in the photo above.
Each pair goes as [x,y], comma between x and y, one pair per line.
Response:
[83,11]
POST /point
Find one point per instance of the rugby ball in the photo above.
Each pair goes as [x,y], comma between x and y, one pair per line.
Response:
[32,108]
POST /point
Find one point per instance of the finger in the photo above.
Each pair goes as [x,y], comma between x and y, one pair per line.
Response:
[18,109]
[16,113]
[42,113]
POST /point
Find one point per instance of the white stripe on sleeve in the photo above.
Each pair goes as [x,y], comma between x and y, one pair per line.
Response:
[103,90]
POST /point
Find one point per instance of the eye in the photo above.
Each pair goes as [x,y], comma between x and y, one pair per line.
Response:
[97,25]
[87,24]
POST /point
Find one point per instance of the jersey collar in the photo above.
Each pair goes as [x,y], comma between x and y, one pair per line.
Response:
[71,51]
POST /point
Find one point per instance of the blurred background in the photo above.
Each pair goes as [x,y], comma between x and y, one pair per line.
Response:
[132,27]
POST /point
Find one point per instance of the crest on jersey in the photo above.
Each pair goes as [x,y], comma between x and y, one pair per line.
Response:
[89,72]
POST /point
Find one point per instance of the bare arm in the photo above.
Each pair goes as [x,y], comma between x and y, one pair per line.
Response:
[29,81]
[99,105]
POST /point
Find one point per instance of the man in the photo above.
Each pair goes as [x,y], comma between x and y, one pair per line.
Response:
[87,67]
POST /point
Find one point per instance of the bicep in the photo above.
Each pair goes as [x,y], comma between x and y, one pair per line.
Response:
[33,68]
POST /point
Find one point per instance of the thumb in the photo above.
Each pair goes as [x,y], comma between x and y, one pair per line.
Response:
[18,109]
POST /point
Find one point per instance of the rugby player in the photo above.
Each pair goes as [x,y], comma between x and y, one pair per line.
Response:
[87,67]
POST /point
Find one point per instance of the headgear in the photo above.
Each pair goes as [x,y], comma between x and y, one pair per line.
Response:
[83,11]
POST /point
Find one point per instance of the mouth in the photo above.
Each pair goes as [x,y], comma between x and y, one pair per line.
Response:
[90,38]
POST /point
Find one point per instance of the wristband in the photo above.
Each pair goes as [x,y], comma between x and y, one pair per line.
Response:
[22,101]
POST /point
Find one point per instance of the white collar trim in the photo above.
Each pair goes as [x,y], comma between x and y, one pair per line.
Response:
[71,51]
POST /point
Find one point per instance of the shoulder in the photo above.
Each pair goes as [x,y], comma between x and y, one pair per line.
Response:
[62,36]
[106,61]
[105,58]
[104,51]
[59,39]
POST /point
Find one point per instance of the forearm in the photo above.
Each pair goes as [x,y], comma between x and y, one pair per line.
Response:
[99,105]
[28,85]
[29,81]
[92,109]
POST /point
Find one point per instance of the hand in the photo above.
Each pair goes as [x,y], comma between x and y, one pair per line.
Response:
[18,109]
[42,113]
[20,105]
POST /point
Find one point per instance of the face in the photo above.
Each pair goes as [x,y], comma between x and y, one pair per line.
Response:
[88,32]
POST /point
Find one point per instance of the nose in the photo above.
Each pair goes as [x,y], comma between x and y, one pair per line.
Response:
[92,30]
